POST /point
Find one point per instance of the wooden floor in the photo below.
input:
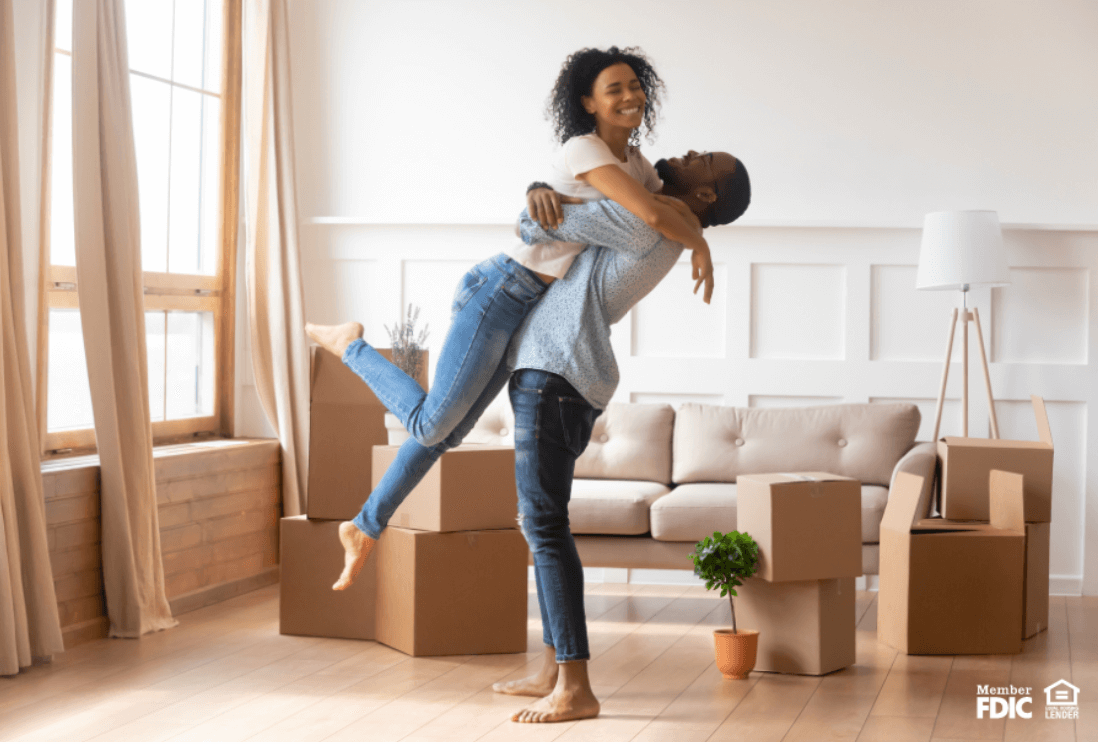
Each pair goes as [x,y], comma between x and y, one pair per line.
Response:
[226,674]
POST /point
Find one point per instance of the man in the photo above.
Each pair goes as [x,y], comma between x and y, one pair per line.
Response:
[564,374]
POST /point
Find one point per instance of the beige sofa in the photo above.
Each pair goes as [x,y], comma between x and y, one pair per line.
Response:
[654,481]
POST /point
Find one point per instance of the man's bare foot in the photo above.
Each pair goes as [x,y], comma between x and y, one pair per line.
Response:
[335,338]
[561,705]
[357,545]
[570,700]
[536,685]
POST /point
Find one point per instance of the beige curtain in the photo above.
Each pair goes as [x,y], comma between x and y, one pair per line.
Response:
[275,297]
[29,626]
[108,271]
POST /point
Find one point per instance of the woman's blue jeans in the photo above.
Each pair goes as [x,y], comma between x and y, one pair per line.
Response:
[491,301]
[553,425]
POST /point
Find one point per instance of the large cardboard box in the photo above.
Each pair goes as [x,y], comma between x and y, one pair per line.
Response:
[345,422]
[442,593]
[949,588]
[471,487]
[807,525]
[805,627]
[312,559]
[967,462]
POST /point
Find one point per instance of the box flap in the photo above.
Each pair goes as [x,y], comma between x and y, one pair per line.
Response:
[811,477]
[903,507]
[978,442]
[1043,430]
[1007,501]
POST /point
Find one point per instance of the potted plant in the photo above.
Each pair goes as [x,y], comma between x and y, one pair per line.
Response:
[725,561]
[408,349]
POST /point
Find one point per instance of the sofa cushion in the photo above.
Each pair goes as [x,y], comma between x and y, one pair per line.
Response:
[863,441]
[694,510]
[495,426]
[612,507]
[630,441]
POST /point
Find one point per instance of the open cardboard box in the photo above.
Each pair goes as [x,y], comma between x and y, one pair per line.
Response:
[471,487]
[966,463]
[807,525]
[949,587]
[346,420]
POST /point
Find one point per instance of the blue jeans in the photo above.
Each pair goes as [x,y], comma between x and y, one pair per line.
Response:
[491,301]
[553,425]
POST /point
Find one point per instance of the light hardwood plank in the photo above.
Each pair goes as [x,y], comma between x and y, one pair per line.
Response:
[957,714]
[1045,658]
[896,728]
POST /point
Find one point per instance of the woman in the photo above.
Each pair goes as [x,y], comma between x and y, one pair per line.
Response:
[599,103]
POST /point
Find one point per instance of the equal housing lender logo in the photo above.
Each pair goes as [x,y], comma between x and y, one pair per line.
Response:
[1061,701]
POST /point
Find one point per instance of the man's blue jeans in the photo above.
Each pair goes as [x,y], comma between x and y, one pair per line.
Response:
[491,301]
[553,425]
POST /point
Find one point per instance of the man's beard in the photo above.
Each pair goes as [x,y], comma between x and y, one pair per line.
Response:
[667,174]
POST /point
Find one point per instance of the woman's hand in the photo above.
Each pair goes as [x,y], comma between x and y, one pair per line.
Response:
[684,211]
[543,205]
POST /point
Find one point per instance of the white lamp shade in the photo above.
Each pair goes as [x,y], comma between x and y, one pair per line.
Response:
[962,248]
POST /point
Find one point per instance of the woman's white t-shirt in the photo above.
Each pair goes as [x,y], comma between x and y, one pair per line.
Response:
[580,155]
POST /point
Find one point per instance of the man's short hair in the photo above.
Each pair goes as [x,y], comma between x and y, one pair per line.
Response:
[733,196]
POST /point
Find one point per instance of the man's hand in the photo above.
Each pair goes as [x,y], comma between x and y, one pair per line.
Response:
[702,272]
[543,205]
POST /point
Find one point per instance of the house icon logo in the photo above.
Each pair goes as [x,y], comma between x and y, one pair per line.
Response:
[1061,700]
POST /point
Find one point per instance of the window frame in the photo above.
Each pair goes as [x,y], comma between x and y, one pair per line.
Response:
[163,291]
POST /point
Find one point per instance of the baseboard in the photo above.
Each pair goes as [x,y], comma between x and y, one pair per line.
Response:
[209,595]
[89,630]
[1065,586]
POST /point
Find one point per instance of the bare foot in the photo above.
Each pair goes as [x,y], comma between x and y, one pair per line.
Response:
[561,705]
[336,338]
[536,685]
[357,545]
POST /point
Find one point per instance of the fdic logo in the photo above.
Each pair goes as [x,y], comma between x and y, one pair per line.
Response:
[1003,702]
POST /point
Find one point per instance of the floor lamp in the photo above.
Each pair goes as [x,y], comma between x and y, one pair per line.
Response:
[961,250]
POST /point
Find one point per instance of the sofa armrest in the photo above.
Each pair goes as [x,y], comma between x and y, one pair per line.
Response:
[920,460]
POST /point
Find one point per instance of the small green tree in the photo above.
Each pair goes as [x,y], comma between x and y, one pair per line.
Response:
[725,561]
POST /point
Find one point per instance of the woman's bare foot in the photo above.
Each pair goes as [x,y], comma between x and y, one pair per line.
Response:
[357,545]
[570,700]
[536,685]
[335,338]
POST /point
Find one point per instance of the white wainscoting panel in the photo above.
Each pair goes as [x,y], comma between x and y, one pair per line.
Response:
[951,416]
[798,311]
[791,401]
[909,325]
[672,322]
[1037,316]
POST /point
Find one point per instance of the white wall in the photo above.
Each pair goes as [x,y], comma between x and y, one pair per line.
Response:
[854,119]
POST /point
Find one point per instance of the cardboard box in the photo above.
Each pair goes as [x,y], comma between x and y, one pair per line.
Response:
[807,525]
[949,588]
[805,627]
[966,463]
[442,593]
[346,420]
[471,487]
[312,559]
[1035,587]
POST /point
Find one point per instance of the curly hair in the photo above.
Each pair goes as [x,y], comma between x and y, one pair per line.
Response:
[576,79]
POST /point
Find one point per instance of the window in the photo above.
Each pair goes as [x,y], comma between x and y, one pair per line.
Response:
[184,91]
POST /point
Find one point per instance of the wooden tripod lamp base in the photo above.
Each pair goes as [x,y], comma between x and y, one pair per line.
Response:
[965,316]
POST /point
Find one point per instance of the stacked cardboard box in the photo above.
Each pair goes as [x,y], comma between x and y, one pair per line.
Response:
[966,466]
[808,528]
[952,587]
[449,574]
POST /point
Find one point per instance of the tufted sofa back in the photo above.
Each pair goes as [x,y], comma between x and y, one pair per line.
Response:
[716,444]
[630,441]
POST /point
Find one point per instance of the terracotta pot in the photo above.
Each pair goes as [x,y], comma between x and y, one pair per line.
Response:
[736,652]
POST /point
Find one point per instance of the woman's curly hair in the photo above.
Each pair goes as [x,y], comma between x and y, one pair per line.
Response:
[576,79]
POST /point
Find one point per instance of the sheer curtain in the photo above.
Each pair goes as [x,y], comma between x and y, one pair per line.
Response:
[275,296]
[29,625]
[108,269]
